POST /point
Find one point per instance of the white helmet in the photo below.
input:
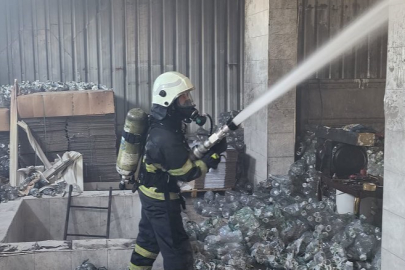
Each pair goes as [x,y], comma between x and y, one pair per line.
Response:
[169,86]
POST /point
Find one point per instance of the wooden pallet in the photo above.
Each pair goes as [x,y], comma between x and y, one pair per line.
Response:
[195,191]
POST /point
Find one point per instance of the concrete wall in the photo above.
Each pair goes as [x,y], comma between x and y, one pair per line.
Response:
[44,219]
[114,254]
[270,52]
[393,252]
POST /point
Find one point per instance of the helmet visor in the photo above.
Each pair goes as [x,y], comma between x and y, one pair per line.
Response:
[185,100]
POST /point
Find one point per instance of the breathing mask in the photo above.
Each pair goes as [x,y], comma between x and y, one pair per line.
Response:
[185,106]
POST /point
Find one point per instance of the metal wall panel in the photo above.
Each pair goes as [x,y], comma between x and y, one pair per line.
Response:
[322,19]
[126,44]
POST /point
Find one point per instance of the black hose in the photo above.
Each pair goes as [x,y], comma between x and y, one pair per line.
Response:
[212,125]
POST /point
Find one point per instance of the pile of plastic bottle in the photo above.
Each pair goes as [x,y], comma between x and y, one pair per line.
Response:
[281,225]
[30,87]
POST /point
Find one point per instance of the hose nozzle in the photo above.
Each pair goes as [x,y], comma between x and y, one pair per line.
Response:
[200,150]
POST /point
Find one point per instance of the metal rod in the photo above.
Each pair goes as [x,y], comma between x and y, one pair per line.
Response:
[67,212]
[109,213]
[86,235]
[89,207]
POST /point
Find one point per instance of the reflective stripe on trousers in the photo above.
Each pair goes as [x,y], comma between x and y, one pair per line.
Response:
[161,230]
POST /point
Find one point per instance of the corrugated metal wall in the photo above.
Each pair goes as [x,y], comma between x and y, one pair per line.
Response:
[321,19]
[126,44]
[351,89]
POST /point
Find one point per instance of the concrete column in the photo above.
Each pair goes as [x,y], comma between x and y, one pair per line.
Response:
[256,83]
[283,41]
[393,247]
[270,52]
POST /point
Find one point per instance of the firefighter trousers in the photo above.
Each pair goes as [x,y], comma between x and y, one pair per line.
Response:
[161,230]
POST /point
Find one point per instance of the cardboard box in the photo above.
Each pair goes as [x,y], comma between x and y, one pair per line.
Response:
[67,103]
[4,119]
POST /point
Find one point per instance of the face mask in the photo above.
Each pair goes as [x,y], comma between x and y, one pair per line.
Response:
[185,107]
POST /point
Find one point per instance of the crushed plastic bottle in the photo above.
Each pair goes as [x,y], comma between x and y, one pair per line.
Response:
[86,265]
[282,225]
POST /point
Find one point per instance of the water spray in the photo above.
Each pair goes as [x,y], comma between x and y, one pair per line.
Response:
[355,32]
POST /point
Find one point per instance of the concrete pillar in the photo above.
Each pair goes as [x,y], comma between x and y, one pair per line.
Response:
[393,247]
[256,83]
[270,52]
[283,39]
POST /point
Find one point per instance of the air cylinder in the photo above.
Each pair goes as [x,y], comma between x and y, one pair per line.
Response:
[132,143]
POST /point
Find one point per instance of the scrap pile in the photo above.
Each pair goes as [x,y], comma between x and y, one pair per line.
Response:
[27,87]
[281,225]
[4,155]
[375,164]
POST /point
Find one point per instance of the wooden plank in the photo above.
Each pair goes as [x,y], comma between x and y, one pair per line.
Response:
[54,39]
[348,58]
[144,47]
[344,136]
[310,29]
[157,45]
[13,136]
[361,50]
[322,31]
[335,25]
[182,37]
[208,72]
[92,9]
[119,55]
[131,59]
[194,192]
[169,34]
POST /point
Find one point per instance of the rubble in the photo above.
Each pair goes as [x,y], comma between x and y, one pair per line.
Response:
[28,87]
[86,265]
[375,164]
[282,225]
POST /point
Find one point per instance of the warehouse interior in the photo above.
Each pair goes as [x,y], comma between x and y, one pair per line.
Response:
[313,180]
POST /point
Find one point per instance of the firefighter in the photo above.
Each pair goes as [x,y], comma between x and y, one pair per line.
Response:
[165,162]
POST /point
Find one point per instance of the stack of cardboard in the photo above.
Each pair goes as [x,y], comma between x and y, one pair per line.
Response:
[50,133]
[94,137]
[224,176]
[81,121]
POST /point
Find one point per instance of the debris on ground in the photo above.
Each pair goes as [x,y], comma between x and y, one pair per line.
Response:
[86,265]
[28,87]
[375,164]
[282,225]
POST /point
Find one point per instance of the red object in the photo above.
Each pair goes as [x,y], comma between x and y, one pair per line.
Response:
[363,172]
